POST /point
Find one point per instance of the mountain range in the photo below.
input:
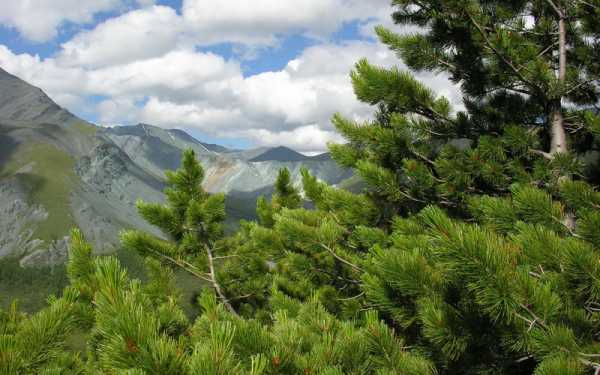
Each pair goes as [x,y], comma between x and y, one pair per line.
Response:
[58,171]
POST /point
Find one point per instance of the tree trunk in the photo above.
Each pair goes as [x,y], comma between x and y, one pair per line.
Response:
[559,136]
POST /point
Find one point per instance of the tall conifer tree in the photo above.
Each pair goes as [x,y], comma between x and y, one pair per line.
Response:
[191,220]
[529,74]
[514,293]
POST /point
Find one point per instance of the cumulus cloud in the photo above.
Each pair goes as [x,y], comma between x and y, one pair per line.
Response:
[146,67]
[153,30]
[180,75]
[261,21]
[63,84]
[135,35]
[309,139]
[191,89]
[114,112]
[38,20]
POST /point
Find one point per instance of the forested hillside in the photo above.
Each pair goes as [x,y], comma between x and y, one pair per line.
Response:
[474,247]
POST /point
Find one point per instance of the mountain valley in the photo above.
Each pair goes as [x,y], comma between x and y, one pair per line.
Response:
[58,171]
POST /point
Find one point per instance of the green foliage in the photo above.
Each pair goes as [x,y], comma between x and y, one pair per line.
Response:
[419,151]
[29,345]
[285,196]
[192,223]
[140,329]
[516,281]
[471,250]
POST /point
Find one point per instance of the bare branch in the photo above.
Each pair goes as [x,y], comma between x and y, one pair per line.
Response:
[355,282]
[182,264]
[546,155]
[546,49]
[215,283]
[535,317]
[340,258]
[556,9]
[226,257]
[589,4]
[582,84]
[351,298]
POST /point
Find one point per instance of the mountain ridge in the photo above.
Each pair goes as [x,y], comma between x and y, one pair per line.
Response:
[59,171]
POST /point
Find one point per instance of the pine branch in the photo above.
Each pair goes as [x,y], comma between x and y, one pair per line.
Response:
[556,9]
[582,84]
[499,54]
[594,365]
[446,63]
[330,250]
[424,158]
[355,282]
[589,4]
[215,283]
[410,197]
[351,298]
[546,155]
[432,114]
[536,319]
[545,50]
[226,257]
[181,264]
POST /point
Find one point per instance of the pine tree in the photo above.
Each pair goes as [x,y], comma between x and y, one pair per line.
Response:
[503,51]
[191,221]
[135,328]
[516,293]
[314,253]
[517,63]
[512,294]
[285,196]
[474,248]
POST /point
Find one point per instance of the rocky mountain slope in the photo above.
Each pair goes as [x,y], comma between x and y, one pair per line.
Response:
[156,150]
[58,171]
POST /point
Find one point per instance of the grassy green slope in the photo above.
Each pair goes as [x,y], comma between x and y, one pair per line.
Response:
[48,172]
[84,128]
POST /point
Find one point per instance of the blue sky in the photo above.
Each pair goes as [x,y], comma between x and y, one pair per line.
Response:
[233,72]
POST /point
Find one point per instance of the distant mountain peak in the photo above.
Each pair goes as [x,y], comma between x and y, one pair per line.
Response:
[321,157]
[280,153]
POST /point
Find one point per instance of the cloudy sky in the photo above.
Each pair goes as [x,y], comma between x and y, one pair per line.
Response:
[237,72]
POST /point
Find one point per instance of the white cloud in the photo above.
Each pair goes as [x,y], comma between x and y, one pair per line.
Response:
[145,65]
[117,111]
[38,20]
[261,21]
[57,81]
[251,26]
[135,35]
[190,89]
[309,139]
[180,75]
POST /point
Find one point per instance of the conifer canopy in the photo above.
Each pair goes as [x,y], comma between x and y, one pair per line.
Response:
[472,247]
